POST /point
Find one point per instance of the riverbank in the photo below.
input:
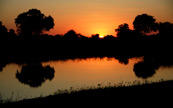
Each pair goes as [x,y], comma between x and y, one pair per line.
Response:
[145,94]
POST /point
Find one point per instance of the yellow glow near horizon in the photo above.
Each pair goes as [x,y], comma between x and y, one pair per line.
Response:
[87,16]
[101,36]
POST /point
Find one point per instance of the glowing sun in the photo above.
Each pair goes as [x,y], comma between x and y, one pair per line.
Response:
[101,36]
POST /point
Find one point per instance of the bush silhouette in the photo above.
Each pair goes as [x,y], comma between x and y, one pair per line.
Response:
[33,22]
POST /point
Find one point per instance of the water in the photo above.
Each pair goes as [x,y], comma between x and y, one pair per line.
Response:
[17,84]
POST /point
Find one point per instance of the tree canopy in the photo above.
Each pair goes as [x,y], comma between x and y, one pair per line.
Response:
[71,34]
[123,30]
[166,30]
[145,24]
[3,29]
[33,22]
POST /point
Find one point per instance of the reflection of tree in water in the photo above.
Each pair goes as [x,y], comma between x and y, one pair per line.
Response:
[150,64]
[144,69]
[147,68]
[2,65]
[123,59]
[35,74]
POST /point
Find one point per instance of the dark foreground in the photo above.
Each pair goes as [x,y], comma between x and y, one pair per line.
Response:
[155,94]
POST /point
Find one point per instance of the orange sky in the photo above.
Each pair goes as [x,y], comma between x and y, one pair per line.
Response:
[87,16]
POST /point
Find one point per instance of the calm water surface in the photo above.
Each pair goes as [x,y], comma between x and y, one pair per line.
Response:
[77,73]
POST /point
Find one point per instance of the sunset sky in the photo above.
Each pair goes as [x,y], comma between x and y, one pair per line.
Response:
[87,16]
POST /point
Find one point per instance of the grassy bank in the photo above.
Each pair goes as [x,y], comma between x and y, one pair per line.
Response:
[137,93]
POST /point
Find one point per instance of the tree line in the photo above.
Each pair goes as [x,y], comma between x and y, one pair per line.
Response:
[34,23]
[147,38]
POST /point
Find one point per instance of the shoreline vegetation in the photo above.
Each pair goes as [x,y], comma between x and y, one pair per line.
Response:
[149,38]
[30,44]
[152,91]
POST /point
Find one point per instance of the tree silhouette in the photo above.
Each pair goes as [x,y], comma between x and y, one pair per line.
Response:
[145,24]
[109,37]
[95,36]
[33,22]
[123,31]
[3,30]
[166,30]
[71,35]
[12,33]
